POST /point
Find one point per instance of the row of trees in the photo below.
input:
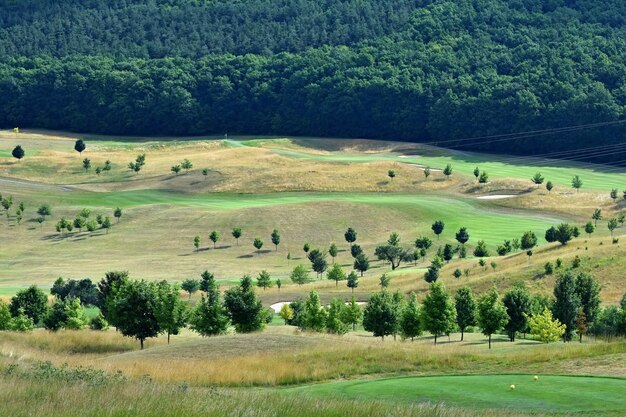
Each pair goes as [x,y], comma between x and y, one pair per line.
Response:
[143,310]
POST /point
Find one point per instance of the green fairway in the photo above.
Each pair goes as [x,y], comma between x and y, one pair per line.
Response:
[557,394]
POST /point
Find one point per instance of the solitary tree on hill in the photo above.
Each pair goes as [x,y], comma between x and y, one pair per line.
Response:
[214,237]
[86,164]
[258,244]
[476,172]
[275,238]
[18,153]
[614,195]
[549,186]
[391,173]
[426,172]
[196,242]
[438,227]
[237,234]
[577,183]
[537,179]
[596,216]
[186,165]
[612,225]
[447,171]
[79,146]
[118,214]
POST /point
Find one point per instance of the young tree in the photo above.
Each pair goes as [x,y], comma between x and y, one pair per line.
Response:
[352,313]
[589,228]
[237,234]
[612,225]
[484,177]
[423,242]
[457,273]
[333,251]
[566,304]
[264,280]
[318,261]
[426,173]
[380,315]
[350,235]
[549,186]
[528,241]
[596,216]
[245,310]
[258,244]
[275,238]
[438,312]
[614,194]
[209,317]
[65,314]
[315,316]
[286,313]
[384,281]
[462,236]
[336,274]
[391,173]
[79,146]
[465,307]
[306,247]
[361,263]
[214,237]
[117,214]
[133,309]
[517,304]
[107,166]
[86,164]
[205,172]
[170,311]
[33,302]
[410,320]
[447,171]
[448,252]
[335,323]
[175,169]
[537,179]
[186,165]
[577,183]
[196,242]
[353,281]
[299,275]
[106,224]
[546,328]
[438,227]
[18,153]
[491,313]
[190,285]
[481,250]
[476,172]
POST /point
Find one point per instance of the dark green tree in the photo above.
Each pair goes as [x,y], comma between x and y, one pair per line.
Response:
[380,315]
[491,313]
[237,234]
[33,302]
[465,307]
[361,263]
[18,153]
[79,146]
[517,303]
[352,281]
[438,312]
[245,310]
[275,238]
[438,227]
[410,320]
[350,235]
[566,303]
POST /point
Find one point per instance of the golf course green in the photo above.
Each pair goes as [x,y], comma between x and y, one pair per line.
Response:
[551,394]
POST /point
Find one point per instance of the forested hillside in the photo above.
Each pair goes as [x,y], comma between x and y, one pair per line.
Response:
[392,69]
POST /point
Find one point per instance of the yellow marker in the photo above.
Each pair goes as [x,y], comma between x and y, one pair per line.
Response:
[512,386]
[536,378]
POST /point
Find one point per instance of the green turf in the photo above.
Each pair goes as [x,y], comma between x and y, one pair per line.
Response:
[561,394]
[483,222]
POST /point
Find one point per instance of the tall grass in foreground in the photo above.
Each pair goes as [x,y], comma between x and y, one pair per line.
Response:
[344,360]
[30,395]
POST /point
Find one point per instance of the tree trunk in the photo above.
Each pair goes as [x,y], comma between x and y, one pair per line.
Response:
[580,338]
[141,343]
[462,334]
[435,338]
[490,341]
[168,338]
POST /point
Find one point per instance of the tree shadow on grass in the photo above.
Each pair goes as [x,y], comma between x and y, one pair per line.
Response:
[245,256]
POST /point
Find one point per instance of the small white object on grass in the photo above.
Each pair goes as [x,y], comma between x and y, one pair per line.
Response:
[512,386]
[536,378]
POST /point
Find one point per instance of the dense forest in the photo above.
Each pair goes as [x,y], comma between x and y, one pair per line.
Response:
[418,70]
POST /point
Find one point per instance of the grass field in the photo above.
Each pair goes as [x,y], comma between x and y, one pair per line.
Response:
[550,393]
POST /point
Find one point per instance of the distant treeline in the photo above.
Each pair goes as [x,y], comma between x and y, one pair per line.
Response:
[392,69]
